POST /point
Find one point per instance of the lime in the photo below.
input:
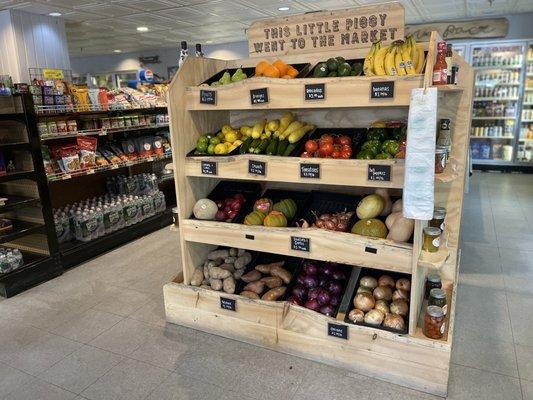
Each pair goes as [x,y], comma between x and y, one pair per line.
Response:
[211,149]
[214,140]
[202,147]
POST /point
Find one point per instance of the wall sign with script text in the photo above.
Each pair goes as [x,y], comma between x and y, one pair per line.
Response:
[327,30]
[481,28]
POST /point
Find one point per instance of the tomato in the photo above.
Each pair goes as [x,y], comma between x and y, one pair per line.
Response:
[326,149]
[326,139]
[346,148]
[306,154]
[346,154]
[336,154]
[311,146]
[345,140]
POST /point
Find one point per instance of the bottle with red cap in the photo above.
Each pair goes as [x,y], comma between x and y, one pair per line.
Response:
[440,69]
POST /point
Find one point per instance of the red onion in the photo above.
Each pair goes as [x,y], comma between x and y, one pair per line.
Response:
[335,301]
[323,297]
[310,281]
[339,275]
[335,287]
[327,310]
[300,279]
[328,268]
[310,268]
[295,300]
[299,291]
[313,293]
[322,280]
[312,304]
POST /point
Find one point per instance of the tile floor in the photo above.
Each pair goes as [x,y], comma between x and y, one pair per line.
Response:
[98,331]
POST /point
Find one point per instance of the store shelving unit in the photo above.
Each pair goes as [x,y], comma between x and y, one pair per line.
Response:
[28,204]
[524,151]
[411,360]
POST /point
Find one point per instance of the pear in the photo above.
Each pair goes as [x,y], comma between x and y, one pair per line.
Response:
[239,75]
[226,78]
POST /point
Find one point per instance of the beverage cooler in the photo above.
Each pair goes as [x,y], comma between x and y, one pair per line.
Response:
[524,153]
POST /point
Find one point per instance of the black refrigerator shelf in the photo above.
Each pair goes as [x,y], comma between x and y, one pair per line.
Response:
[20,229]
[16,202]
[11,176]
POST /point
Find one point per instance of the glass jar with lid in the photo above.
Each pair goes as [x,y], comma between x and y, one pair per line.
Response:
[431,239]
[437,297]
[433,281]
[434,325]
[440,159]
[439,213]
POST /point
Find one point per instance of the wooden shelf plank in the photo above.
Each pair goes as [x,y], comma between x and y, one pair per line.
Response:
[289,93]
[324,245]
[434,260]
[287,169]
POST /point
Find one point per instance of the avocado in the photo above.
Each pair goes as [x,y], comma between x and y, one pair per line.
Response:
[344,69]
[340,60]
[321,70]
[357,69]
[332,64]
[333,74]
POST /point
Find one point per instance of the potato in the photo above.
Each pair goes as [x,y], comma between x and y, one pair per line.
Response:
[228,285]
[215,263]
[216,284]
[243,260]
[250,295]
[238,273]
[205,286]
[218,254]
[206,272]
[230,260]
[281,273]
[272,281]
[205,281]
[219,273]
[256,287]
[228,267]
[233,252]
[251,276]
[240,252]
[197,277]
[274,294]
[265,268]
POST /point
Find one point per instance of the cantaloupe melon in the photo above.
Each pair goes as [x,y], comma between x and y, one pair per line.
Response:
[205,209]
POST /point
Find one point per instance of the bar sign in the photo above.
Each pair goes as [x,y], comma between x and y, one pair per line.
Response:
[300,243]
[259,96]
[382,90]
[257,167]
[209,168]
[379,172]
[315,91]
[338,331]
[227,304]
[208,97]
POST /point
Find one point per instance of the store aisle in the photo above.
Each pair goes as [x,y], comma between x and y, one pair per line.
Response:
[98,331]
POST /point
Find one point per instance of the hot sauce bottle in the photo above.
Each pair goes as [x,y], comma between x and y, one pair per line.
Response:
[440,69]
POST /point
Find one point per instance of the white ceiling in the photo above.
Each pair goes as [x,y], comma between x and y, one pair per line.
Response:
[100,26]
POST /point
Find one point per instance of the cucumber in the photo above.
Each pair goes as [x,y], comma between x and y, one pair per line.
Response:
[272,147]
[289,149]
[253,145]
[262,146]
[245,145]
[282,146]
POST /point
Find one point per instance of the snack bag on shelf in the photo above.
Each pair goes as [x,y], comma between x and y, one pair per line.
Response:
[128,146]
[81,98]
[111,157]
[157,146]
[102,98]
[118,152]
[100,160]
[47,161]
[70,161]
[94,95]
[87,146]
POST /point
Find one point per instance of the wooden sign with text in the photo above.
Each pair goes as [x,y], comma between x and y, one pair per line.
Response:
[327,30]
[477,29]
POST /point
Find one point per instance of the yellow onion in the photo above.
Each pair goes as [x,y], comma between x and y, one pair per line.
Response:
[356,315]
[382,292]
[374,317]
[399,307]
[386,280]
[400,294]
[364,301]
[383,306]
[394,321]
[403,284]
[369,282]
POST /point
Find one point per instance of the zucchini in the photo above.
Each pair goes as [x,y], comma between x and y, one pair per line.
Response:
[289,149]
[245,145]
[282,146]
[262,146]
[272,147]
[253,145]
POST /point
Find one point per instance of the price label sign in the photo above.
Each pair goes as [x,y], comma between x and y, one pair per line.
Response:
[300,243]
[382,90]
[315,91]
[259,96]
[257,167]
[311,171]
[208,97]
[227,304]
[209,168]
[338,331]
[378,172]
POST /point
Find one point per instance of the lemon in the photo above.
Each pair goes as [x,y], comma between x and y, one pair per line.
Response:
[231,136]
[220,149]
[226,128]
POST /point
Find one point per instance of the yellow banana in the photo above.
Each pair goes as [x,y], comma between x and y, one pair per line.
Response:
[398,62]
[368,65]
[379,61]
[390,68]
[413,51]
[421,59]
[406,57]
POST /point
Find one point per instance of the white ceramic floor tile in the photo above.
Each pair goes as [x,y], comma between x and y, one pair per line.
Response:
[36,389]
[524,355]
[87,325]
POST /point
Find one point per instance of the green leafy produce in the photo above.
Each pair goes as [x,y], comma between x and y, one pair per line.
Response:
[399,133]
[390,146]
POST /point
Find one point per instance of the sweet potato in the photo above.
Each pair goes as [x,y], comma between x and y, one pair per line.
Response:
[218,254]
[197,277]
[216,284]
[227,266]
[238,273]
[249,294]
[228,285]
[219,273]
[281,273]
[251,276]
[274,294]
[243,260]
[265,268]
[256,287]
[272,281]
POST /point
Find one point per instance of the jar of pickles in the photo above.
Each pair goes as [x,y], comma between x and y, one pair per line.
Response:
[434,325]
[433,281]
[439,213]
[437,297]
[431,239]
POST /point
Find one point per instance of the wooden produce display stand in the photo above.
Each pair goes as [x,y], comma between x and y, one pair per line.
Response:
[412,359]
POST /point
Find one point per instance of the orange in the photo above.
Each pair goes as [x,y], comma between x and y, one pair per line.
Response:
[271,72]
[280,64]
[260,67]
[292,72]
[286,77]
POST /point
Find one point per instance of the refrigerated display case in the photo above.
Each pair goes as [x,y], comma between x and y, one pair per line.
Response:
[497,98]
[524,151]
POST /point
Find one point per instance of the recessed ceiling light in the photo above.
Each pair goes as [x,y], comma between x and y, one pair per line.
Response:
[117,51]
[55,14]
[208,41]
[284,8]
[142,29]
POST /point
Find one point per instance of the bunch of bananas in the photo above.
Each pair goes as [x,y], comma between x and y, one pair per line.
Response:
[399,58]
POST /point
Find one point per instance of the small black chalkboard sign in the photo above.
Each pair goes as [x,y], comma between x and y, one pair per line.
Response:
[337,330]
[209,168]
[315,91]
[227,304]
[259,96]
[257,167]
[379,172]
[311,171]
[300,243]
[208,97]
[382,90]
